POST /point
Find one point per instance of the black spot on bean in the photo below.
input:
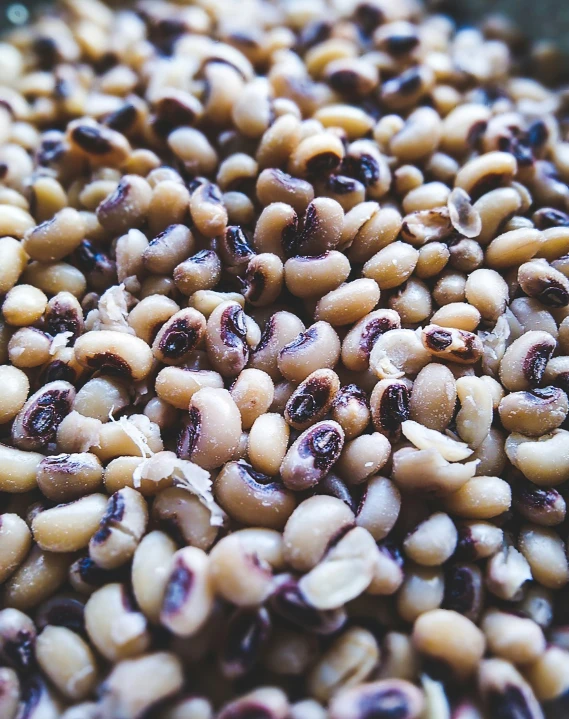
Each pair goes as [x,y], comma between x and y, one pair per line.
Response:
[322,163]
[179,338]
[364,168]
[114,513]
[109,363]
[341,185]
[233,329]
[170,114]
[368,17]
[61,612]
[313,33]
[384,704]
[19,651]
[461,593]
[91,140]
[178,589]
[510,703]
[548,217]
[288,602]
[394,407]
[58,370]
[44,416]
[323,445]
[535,362]
[123,119]
[266,335]
[438,340]
[398,45]
[247,633]
[372,330]
[190,434]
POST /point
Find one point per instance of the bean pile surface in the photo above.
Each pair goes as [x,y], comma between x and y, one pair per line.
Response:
[284,364]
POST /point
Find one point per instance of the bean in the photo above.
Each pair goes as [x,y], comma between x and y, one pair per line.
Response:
[114,352]
[67,660]
[68,527]
[504,689]
[312,455]
[15,542]
[37,578]
[317,347]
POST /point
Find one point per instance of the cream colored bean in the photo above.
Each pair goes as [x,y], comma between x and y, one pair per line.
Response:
[68,662]
[69,527]
[15,543]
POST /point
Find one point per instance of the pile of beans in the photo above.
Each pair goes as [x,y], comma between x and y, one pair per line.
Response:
[284,364]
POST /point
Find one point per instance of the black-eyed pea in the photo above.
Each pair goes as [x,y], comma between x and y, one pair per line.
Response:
[238,572]
[406,89]
[316,276]
[101,397]
[127,206]
[381,696]
[534,413]
[524,362]
[149,315]
[213,430]
[397,353]
[13,261]
[407,178]
[179,336]
[422,591]
[37,422]
[379,507]
[16,386]
[10,696]
[18,469]
[263,280]
[170,247]
[391,266]
[475,416]
[23,305]
[311,527]
[169,205]
[450,287]
[129,251]
[201,271]
[465,255]
[543,460]
[313,454]
[279,141]
[253,498]
[498,680]
[67,660]
[412,302]
[55,238]
[183,515]
[135,435]
[316,348]
[226,339]
[426,197]
[546,284]
[267,443]
[29,347]
[447,636]
[480,498]
[488,292]
[513,248]
[348,662]
[252,392]
[312,399]
[150,568]
[433,541]
[36,579]
[120,529]
[116,352]
[69,527]
[427,470]
[452,344]
[353,120]
[158,675]
[486,172]
[277,187]
[545,552]
[315,155]
[547,676]
[349,303]
[193,148]
[177,385]
[345,571]
[113,624]
[15,543]
[351,411]
[517,639]
[368,230]
[99,144]
[54,277]
[460,315]
[321,228]
[462,126]
[65,477]
[15,221]
[363,456]
[419,137]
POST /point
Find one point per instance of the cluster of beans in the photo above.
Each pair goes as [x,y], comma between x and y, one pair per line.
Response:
[284,365]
